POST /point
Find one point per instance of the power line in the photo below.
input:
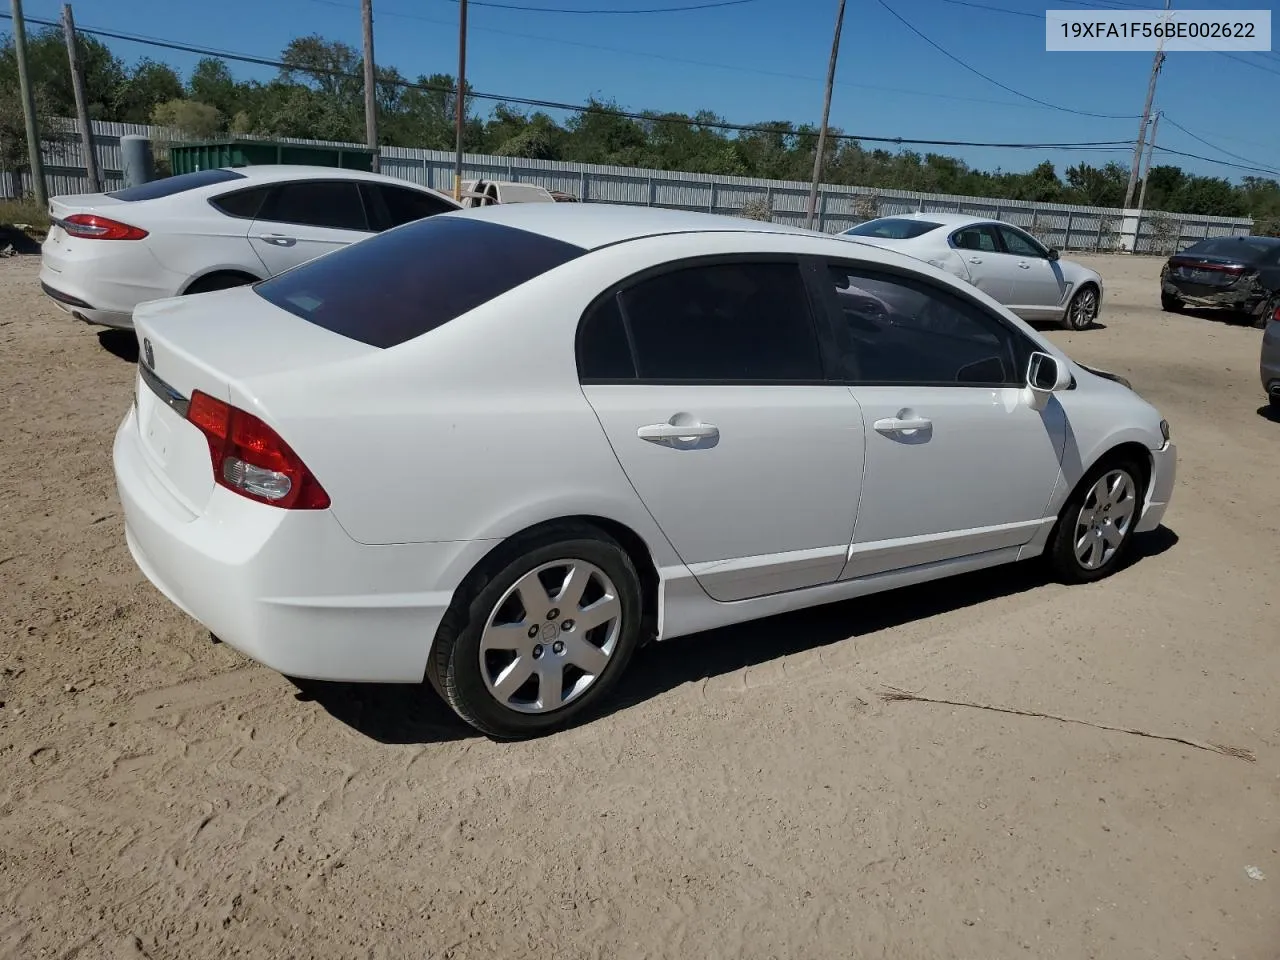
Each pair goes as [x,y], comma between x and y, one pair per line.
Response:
[974,70]
[1103,145]
[757,71]
[697,6]
[1224,163]
[1235,156]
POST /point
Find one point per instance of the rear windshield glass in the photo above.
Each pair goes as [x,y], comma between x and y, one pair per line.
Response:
[183,182]
[892,228]
[403,283]
[1246,249]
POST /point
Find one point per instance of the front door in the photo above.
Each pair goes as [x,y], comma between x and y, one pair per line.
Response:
[1040,287]
[709,384]
[304,219]
[957,460]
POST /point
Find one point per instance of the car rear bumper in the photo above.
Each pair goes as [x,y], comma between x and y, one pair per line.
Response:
[289,588]
[1164,470]
[101,281]
[1229,298]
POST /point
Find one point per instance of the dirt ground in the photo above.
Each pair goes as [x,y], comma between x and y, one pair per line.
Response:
[753,796]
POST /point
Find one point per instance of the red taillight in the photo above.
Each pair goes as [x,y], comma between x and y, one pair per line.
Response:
[89,226]
[1275,317]
[251,459]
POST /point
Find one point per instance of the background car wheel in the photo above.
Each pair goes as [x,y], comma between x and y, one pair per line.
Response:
[220,281]
[542,635]
[1266,310]
[1171,304]
[1083,309]
[1095,528]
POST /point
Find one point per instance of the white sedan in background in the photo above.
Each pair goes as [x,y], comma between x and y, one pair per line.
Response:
[499,449]
[1002,260]
[212,229]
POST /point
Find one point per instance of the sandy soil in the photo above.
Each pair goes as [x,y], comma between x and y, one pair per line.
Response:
[753,796]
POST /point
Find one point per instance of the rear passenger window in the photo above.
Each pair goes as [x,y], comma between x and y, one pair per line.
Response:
[244,204]
[726,322]
[317,203]
[405,206]
[603,351]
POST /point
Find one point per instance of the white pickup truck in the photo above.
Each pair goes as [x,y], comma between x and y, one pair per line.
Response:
[483,193]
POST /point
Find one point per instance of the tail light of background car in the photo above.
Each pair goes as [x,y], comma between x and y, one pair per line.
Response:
[90,226]
[249,458]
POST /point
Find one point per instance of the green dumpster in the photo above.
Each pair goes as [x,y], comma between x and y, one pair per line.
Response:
[210,154]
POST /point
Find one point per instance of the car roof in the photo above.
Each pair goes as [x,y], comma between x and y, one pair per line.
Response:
[275,172]
[594,225]
[945,219]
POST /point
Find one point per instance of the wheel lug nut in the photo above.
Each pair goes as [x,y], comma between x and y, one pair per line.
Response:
[533,631]
[553,613]
[537,651]
[557,647]
[567,625]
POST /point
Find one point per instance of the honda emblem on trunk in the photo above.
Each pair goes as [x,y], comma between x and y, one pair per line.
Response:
[148,354]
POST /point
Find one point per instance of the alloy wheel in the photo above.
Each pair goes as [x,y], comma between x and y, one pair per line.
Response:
[550,636]
[1084,309]
[1105,518]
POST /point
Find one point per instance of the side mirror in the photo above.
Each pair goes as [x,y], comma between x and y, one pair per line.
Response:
[1053,253]
[1046,374]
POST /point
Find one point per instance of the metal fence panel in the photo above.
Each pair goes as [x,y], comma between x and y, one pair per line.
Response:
[839,208]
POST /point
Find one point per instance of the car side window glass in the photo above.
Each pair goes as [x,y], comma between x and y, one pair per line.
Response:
[1019,244]
[724,322]
[405,206]
[243,204]
[896,330]
[603,350]
[317,203]
[976,238]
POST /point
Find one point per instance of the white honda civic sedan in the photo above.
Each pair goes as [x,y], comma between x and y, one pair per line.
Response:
[210,230]
[498,450]
[1000,259]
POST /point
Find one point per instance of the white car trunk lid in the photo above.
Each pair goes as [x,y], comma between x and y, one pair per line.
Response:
[216,343]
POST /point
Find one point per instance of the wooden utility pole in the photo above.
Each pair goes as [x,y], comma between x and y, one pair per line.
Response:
[1146,173]
[35,158]
[82,107]
[1156,62]
[826,113]
[370,84]
[460,100]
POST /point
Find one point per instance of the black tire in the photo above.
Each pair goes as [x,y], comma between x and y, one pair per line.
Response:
[1266,310]
[455,670]
[1082,311]
[219,281]
[1170,304]
[1061,552]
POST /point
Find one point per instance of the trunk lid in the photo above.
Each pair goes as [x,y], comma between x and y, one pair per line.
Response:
[221,344]
[1212,272]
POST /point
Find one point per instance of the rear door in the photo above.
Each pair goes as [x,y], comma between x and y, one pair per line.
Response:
[990,269]
[389,206]
[708,380]
[304,219]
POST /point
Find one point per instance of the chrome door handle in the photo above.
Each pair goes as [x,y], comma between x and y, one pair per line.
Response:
[666,433]
[1024,265]
[278,239]
[975,259]
[895,425]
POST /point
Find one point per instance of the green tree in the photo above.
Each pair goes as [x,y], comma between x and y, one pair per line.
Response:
[148,85]
[201,120]
[51,74]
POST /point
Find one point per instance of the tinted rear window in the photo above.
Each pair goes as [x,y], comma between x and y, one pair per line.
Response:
[179,184]
[1246,249]
[892,228]
[403,283]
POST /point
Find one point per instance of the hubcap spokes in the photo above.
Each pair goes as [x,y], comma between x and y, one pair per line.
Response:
[550,637]
[1086,304]
[1105,518]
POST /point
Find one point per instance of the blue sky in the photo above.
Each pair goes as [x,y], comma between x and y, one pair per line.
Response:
[766,59]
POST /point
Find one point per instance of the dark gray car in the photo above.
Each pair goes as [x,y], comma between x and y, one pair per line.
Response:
[1239,274]
[1270,362]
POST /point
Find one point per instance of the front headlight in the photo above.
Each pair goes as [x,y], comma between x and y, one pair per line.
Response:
[1164,430]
